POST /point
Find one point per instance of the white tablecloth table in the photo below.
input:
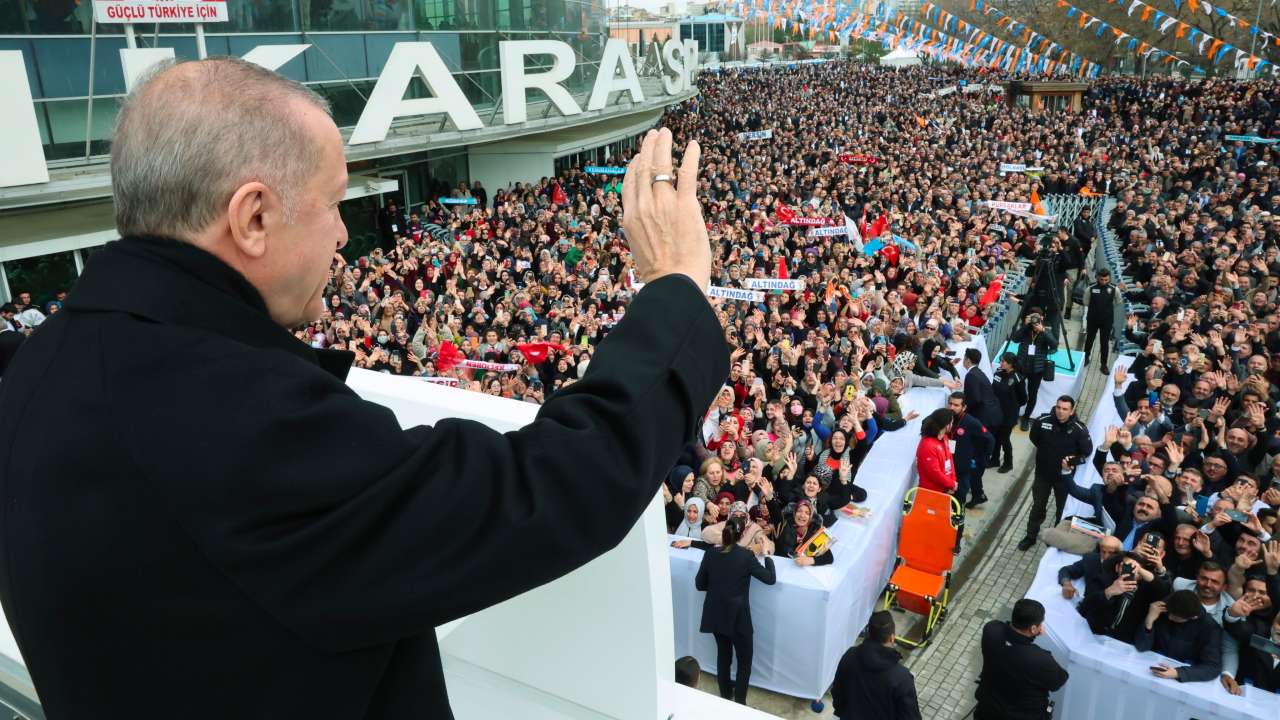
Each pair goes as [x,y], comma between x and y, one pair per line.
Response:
[1110,680]
[805,622]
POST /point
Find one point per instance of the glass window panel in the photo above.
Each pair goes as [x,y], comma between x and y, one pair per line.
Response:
[259,16]
[354,14]
[41,276]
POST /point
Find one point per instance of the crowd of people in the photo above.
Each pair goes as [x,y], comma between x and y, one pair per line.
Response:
[512,294]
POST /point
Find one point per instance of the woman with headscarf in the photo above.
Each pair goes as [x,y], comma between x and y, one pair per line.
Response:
[725,575]
[713,533]
[691,526]
[678,487]
[798,527]
[814,489]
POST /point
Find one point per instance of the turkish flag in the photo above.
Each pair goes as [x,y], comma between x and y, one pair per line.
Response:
[785,214]
[891,253]
[782,268]
[878,227]
[537,352]
[557,195]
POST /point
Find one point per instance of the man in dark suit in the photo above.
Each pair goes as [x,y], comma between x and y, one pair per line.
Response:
[978,394]
[871,683]
[234,531]
[1089,567]
[974,443]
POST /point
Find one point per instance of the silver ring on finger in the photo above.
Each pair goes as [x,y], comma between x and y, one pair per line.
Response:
[662,178]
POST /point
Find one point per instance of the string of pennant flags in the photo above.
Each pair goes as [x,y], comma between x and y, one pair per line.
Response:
[975,46]
[1213,49]
[1196,38]
[1269,40]
[969,46]
[1037,43]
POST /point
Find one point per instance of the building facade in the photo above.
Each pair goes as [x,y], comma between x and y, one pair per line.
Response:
[76,75]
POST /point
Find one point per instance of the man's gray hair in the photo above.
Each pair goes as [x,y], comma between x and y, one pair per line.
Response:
[191,133]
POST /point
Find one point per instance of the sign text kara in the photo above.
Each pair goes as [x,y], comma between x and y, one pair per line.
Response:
[676,64]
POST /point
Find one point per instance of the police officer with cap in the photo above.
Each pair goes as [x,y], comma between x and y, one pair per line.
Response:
[1062,443]
[1101,298]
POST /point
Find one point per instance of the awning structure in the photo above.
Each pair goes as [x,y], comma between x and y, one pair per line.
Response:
[44,231]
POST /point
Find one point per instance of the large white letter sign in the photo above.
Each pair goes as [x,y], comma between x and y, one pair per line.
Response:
[137,61]
[516,82]
[673,77]
[616,57]
[387,102]
[23,152]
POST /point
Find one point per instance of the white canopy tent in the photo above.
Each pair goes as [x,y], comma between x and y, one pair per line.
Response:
[901,57]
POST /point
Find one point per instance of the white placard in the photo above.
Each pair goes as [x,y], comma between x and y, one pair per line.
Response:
[756,135]
[828,231]
[1010,206]
[124,12]
[716,291]
[793,284]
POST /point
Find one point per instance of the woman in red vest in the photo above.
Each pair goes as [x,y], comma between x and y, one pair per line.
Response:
[934,461]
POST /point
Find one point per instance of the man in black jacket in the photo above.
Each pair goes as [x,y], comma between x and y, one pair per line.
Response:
[1101,297]
[1062,444]
[234,531]
[871,682]
[1011,392]
[1017,676]
[1185,633]
[1259,666]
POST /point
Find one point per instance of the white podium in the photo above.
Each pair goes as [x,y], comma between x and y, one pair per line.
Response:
[597,643]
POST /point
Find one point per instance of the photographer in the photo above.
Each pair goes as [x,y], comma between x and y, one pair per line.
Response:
[1036,343]
[1132,582]
[1048,275]
[1062,443]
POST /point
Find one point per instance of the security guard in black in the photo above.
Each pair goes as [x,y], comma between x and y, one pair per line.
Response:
[1101,299]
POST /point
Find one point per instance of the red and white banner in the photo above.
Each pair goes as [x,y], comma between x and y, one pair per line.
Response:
[857,159]
[446,381]
[482,365]
[123,12]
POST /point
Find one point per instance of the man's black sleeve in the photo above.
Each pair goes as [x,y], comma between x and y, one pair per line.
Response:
[352,532]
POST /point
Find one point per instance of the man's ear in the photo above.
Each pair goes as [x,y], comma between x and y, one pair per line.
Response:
[250,211]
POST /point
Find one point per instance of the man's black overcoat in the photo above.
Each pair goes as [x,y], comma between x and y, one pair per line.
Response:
[201,520]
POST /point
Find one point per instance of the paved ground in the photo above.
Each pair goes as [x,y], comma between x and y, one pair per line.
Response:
[991,574]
